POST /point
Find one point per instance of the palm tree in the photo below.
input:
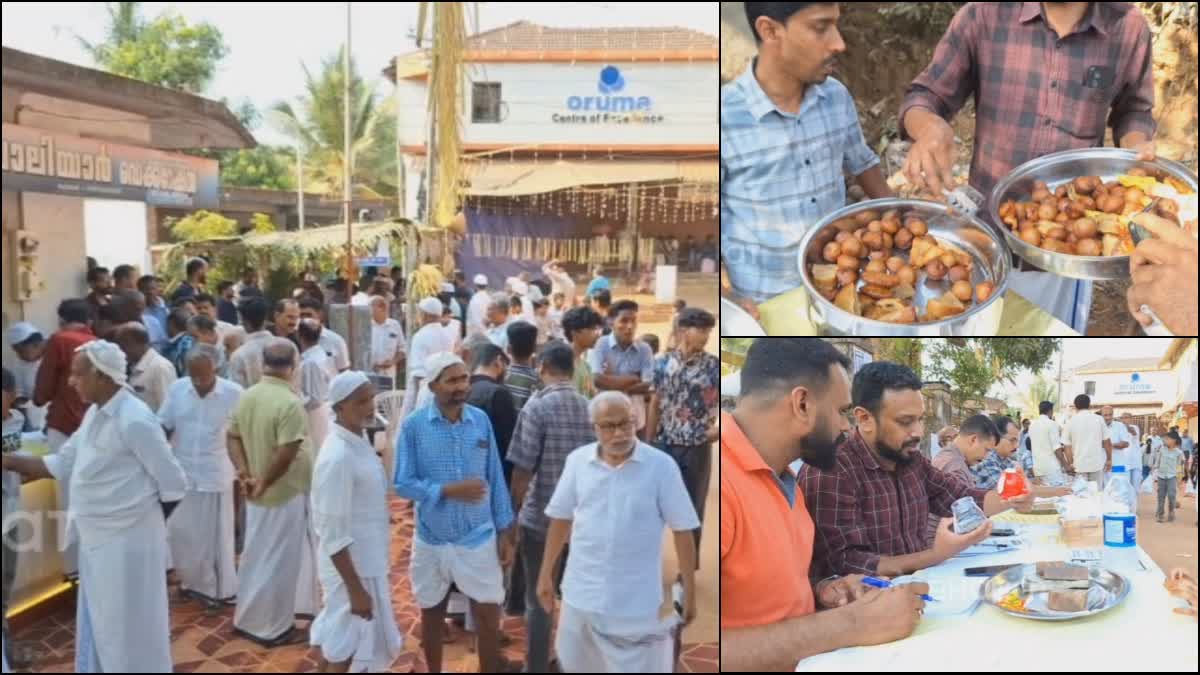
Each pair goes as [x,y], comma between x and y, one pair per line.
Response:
[125,23]
[1041,389]
[315,123]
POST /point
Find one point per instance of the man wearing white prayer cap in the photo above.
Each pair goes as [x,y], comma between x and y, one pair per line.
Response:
[272,453]
[430,339]
[128,482]
[448,463]
[356,630]
[477,308]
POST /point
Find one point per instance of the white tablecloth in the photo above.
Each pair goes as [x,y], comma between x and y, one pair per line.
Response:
[1142,634]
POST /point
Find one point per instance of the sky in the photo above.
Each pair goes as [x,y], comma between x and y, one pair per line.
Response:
[268,41]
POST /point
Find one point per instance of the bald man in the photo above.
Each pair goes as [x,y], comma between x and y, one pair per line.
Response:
[271,452]
[151,375]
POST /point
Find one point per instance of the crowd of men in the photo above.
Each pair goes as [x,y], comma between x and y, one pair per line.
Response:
[225,443]
[866,500]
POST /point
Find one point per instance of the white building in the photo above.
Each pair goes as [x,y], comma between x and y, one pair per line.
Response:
[1141,387]
[609,132]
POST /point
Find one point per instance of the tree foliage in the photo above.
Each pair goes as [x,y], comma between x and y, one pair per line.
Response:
[972,365]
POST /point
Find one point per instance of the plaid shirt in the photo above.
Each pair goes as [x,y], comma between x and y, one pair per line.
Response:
[1036,93]
[781,173]
[430,453]
[863,512]
[987,472]
[553,423]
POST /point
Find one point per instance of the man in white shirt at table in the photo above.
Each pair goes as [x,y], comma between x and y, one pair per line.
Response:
[124,481]
[1118,435]
[1087,443]
[613,499]
[196,417]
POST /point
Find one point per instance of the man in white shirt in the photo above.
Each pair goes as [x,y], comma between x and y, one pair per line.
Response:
[125,481]
[314,379]
[1044,439]
[477,308]
[333,344]
[28,344]
[560,281]
[152,374]
[196,418]
[351,521]
[1135,455]
[1087,442]
[614,499]
[387,343]
[498,320]
[430,339]
[245,366]
[1123,446]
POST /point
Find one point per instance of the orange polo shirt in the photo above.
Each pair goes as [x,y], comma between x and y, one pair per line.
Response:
[766,544]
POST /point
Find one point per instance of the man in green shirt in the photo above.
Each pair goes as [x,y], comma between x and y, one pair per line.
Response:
[271,451]
[582,327]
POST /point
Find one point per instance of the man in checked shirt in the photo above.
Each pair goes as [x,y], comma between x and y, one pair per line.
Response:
[788,132]
[1045,77]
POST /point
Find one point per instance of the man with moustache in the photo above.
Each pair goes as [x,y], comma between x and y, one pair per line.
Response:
[872,507]
[788,132]
[794,404]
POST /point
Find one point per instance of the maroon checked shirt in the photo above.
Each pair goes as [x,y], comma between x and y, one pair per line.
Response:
[863,512]
[1036,93]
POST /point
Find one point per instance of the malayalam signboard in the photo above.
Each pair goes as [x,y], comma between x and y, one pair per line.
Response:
[35,160]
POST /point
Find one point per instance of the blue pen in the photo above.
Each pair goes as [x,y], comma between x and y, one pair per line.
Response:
[884,583]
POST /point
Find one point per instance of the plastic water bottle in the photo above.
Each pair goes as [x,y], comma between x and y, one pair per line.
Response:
[1120,523]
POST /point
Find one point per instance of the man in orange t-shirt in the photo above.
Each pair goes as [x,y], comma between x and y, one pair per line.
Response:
[794,405]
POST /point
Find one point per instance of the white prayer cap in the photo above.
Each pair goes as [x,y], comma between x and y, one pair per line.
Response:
[344,385]
[435,364]
[106,358]
[20,332]
[481,280]
[447,287]
[430,306]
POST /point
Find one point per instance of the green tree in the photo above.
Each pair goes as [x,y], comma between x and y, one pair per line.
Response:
[315,122]
[201,225]
[165,51]
[265,167]
[973,365]
[906,351]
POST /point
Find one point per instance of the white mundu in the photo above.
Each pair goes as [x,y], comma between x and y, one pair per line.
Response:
[350,511]
[200,530]
[120,467]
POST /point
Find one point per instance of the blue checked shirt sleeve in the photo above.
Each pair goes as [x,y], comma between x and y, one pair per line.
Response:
[502,513]
[408,485]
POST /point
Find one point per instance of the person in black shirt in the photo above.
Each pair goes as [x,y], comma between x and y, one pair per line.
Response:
[489,394]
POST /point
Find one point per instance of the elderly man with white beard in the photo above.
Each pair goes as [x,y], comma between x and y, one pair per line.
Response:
[125,481]
[613,500]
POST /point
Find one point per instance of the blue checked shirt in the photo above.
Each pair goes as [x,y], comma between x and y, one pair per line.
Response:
[432,452]
[987,472]
[780,174]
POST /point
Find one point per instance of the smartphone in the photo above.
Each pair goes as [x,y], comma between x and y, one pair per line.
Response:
[989,571]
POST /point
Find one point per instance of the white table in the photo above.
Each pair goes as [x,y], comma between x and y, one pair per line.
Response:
[1142,634]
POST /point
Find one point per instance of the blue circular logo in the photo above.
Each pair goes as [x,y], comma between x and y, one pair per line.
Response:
[1135,377]
[611,80]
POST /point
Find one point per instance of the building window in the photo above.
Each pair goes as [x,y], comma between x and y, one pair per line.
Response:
[485,102]
[1089,387]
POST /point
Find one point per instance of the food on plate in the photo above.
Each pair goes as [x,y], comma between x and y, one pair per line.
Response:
[1061,571]
[1013,602]
[1090,217]
[883,267]
[1068,601]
